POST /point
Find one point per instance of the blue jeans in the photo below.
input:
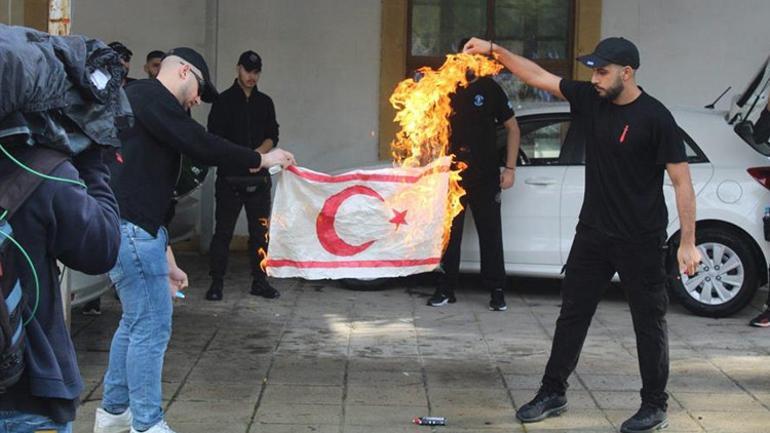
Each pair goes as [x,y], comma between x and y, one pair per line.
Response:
[133,377]
[20,422]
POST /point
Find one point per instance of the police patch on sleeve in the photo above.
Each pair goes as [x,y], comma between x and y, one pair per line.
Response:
[478,100]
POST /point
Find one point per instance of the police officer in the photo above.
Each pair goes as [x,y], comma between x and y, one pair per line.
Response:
[245,116]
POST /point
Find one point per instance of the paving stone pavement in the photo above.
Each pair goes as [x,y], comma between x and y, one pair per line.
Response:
[326,359]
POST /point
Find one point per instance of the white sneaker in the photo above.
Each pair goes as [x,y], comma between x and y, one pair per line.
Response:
[160,427]
[105,422]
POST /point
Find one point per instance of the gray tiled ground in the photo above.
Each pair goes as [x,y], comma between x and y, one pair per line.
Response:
[323,358]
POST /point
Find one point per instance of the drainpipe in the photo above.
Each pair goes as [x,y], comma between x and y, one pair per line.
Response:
[59,13]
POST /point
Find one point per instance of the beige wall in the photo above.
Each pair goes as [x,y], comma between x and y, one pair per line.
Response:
[321,60]
[691,50]
[144,25]
[12,12]
[321,64]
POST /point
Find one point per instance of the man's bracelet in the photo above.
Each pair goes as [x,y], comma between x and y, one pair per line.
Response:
[510,168]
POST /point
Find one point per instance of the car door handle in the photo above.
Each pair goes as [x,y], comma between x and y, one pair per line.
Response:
[540,181]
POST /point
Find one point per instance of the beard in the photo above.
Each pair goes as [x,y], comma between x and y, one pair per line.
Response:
[248,83]
[613,92]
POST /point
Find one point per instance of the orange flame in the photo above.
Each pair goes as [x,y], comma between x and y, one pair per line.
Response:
[261,253]
[423,109]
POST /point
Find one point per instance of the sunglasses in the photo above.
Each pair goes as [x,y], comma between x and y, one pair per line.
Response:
[200,82]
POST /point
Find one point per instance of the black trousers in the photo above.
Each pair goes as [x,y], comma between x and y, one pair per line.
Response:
[229,201]
[483,198]
[592,262]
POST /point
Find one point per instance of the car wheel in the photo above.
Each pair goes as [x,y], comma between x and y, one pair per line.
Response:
[370,285]
[727,278]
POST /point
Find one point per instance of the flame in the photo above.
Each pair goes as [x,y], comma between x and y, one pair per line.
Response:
[261,253]
[423,109]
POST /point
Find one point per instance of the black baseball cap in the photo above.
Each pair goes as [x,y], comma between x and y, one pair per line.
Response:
[618,51]
[209,92]
[250,61]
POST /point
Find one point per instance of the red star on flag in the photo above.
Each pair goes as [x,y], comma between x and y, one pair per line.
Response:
[398,218]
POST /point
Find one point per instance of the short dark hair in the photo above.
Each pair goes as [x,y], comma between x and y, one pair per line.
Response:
[461,44]
[156,54]
[122,51]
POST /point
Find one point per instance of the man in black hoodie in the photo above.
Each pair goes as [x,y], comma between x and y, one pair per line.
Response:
[146,275]
[245,116]
[80,228]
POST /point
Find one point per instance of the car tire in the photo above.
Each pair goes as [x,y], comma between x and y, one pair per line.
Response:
[727,278]
[362,285]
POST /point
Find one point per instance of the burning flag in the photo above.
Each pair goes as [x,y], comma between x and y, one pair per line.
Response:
[379,223]
[423,108]
[360,224]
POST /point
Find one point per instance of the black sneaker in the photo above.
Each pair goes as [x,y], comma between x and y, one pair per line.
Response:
[762,321]
[92,308]
[260,287]
[544,405]
[215,290]
[647,419]
[497,302]
[441,298]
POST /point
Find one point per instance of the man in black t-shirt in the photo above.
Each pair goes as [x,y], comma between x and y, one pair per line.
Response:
[631,140]
[477,110]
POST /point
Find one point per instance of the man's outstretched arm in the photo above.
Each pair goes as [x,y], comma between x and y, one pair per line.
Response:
[527,71]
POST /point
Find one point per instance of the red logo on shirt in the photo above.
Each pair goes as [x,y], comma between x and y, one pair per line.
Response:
[623,134]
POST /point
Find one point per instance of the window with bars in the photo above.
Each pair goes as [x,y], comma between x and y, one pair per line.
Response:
[541,30]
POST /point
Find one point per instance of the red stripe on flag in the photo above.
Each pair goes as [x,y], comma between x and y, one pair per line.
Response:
[281,263]
[327,178]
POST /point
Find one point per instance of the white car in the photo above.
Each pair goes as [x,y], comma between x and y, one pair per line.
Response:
[731,178]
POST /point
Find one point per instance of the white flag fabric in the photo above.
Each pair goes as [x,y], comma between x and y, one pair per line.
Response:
[359,224]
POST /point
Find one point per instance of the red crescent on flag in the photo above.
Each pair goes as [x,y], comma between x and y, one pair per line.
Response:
[324,224]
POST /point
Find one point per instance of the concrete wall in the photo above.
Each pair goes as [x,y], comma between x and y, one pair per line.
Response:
[12,12]
[146,25]
[691,50]
[321,60]
[321,64]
